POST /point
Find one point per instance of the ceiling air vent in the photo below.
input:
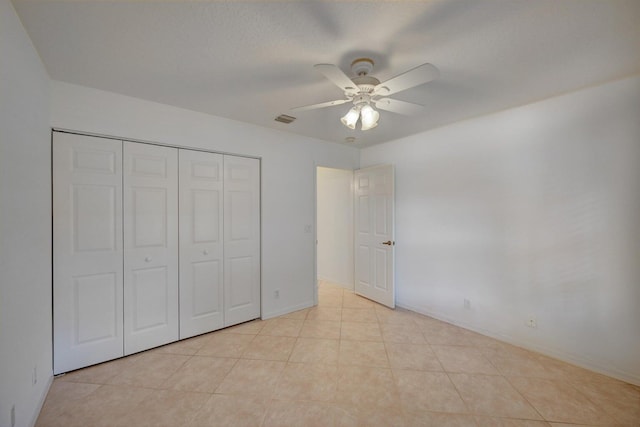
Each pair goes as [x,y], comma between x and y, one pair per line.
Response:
[283,118]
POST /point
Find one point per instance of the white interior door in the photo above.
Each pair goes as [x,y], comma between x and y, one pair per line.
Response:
[241,239]
[201,242]
[150,246]
[87,251]
[374,234]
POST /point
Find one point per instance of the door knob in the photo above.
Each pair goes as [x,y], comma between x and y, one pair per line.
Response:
[205,252]
[388,243]
[148,259]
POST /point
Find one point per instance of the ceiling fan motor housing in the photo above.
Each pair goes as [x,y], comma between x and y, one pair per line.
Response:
[361,99]
[362,66]
[366,84]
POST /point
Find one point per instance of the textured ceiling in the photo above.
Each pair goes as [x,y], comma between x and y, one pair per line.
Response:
[251,61]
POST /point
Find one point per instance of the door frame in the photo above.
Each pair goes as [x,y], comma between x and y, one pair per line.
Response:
[315,226]
[353,221]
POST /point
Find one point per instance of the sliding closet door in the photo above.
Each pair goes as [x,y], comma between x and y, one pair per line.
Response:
[241,239]
[201,254]
[150,246]
[87,251]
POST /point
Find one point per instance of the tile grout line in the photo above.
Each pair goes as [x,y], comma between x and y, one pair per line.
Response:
[270,397]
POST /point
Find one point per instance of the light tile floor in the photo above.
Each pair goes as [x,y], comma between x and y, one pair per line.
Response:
[346,362]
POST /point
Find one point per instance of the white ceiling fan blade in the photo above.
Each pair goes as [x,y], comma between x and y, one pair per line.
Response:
[321,105]
[338,77]
[400,107]
[421,74]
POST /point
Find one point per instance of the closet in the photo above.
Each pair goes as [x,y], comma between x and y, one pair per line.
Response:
[151,244]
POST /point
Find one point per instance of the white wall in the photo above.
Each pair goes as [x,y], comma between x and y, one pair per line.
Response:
[534,211]
[25,224]
[335,226]
[288,174]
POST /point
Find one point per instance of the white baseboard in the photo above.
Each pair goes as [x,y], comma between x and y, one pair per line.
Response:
[347,286]
[555,353]
[287,310]
[43,397]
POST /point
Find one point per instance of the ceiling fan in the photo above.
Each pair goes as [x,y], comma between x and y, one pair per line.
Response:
[365,91]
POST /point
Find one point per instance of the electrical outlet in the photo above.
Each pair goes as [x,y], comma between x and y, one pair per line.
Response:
[532,322]
[276,293]
[13,415]
[467,304]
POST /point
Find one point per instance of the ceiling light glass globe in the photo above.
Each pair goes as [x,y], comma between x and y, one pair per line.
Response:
[351,118]
[369,117]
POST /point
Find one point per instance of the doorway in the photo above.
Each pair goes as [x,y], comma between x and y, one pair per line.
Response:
[334,227]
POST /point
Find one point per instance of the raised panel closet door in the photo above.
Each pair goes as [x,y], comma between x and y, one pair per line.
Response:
[201,255]
[150,246]
[241,239]
[87,251]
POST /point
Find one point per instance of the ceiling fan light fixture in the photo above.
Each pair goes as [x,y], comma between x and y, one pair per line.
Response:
[367,92]
[351,118]
[369,117]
